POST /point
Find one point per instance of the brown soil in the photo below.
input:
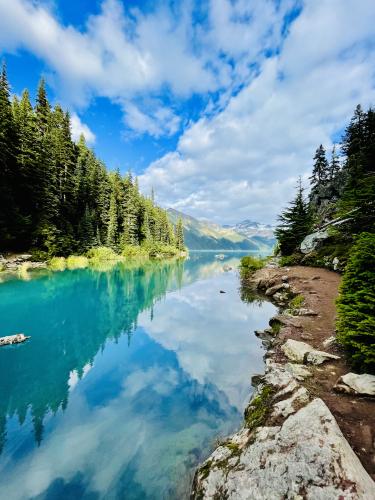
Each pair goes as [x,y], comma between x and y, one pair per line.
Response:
[355,415]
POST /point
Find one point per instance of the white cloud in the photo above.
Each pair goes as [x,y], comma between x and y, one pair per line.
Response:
[157,121]
[122,55]
[244,161]
[78,128]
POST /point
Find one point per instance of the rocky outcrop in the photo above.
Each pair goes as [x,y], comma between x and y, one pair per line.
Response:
[290,447]
[312,241]
[17,262]
[13,339]
[352,383]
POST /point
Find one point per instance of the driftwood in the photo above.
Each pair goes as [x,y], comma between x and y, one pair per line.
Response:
[13,339]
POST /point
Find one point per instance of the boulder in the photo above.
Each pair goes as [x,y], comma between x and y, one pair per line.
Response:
[273,289]
[353,383]
[305,457]
[312,241]
[301,352]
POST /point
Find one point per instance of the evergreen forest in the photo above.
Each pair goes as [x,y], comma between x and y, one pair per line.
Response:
[58,198]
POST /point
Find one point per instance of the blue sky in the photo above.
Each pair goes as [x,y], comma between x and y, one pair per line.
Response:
[217,104]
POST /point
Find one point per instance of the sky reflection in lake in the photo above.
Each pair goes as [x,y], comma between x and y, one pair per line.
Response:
[129,377]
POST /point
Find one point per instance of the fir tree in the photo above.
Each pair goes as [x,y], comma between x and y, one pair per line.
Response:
[334,165]
[179,237]
[320,169]
[295,223]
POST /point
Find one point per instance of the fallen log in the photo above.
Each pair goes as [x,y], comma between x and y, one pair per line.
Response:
[13,339]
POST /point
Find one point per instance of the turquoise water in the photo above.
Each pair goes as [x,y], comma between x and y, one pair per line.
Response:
[129,377]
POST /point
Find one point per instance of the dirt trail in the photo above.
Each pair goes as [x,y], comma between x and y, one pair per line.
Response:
[355,415]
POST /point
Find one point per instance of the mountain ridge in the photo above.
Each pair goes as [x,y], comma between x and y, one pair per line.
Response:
[206,235]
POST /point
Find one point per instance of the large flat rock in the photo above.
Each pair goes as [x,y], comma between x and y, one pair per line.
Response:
[306,457]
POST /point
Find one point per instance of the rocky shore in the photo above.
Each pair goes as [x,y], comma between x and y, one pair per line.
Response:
[16,263]
[308,430]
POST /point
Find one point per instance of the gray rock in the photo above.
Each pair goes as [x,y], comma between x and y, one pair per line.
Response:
[300,372]
[273,289]
[312,241]
[306,457]
[336,264]
[301,352]
[353,383]
[319,357]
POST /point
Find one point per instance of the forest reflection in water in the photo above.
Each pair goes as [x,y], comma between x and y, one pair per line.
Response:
[130,374]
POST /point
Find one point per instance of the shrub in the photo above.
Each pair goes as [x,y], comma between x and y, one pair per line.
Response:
[356,304]
[77,262]
[57,264]
[102,253]
[291,260]
[131,252]
[250,264]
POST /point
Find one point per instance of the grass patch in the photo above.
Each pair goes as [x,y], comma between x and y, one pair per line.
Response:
[57,264]
[276,327]
[259,408]
[77,262]
[296,303]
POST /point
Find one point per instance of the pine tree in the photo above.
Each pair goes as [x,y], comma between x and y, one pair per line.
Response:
[295,223]
[320,170]
[179,237]
[8,165]
[334,166]
[129,213]
[112,230]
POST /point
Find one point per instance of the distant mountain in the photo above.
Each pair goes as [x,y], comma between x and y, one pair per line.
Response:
[251,229]
[203,235]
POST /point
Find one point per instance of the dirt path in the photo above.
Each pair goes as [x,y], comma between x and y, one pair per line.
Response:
[355,415]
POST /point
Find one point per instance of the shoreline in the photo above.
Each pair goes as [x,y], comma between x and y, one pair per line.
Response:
[302,437]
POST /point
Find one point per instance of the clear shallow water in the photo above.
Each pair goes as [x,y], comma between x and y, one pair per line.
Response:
[129,377]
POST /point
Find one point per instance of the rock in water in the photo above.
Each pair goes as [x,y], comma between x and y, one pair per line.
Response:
[306,457]
[13,339]
[352,383]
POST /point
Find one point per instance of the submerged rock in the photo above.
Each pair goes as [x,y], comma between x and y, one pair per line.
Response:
[13,339]
[353,383]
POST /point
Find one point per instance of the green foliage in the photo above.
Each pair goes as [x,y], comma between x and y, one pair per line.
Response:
[356,304]
[56,197]
[77,262]
[290,260]
[251,264]
[57,264]
[102,253]
[259,408]
[295,223]
[296,303]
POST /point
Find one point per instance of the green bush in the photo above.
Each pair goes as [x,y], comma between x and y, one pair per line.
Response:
[57,264]
[131,252]
[77,262]
[250,264]
[356,304]
[160,250]
[102,253]
[291,260]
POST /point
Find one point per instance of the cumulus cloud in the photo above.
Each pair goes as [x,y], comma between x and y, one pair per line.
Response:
[120,54]
[78,128]
[244,161]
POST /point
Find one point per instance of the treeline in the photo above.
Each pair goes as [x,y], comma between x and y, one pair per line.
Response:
[343,185]
[57,197]
[342,191]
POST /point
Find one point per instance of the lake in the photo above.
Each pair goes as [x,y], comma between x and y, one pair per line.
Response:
[130,377]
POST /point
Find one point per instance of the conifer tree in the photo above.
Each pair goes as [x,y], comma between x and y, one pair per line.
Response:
[334,165]
[180,243]
[112,231]
[320,169]
[295,223]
